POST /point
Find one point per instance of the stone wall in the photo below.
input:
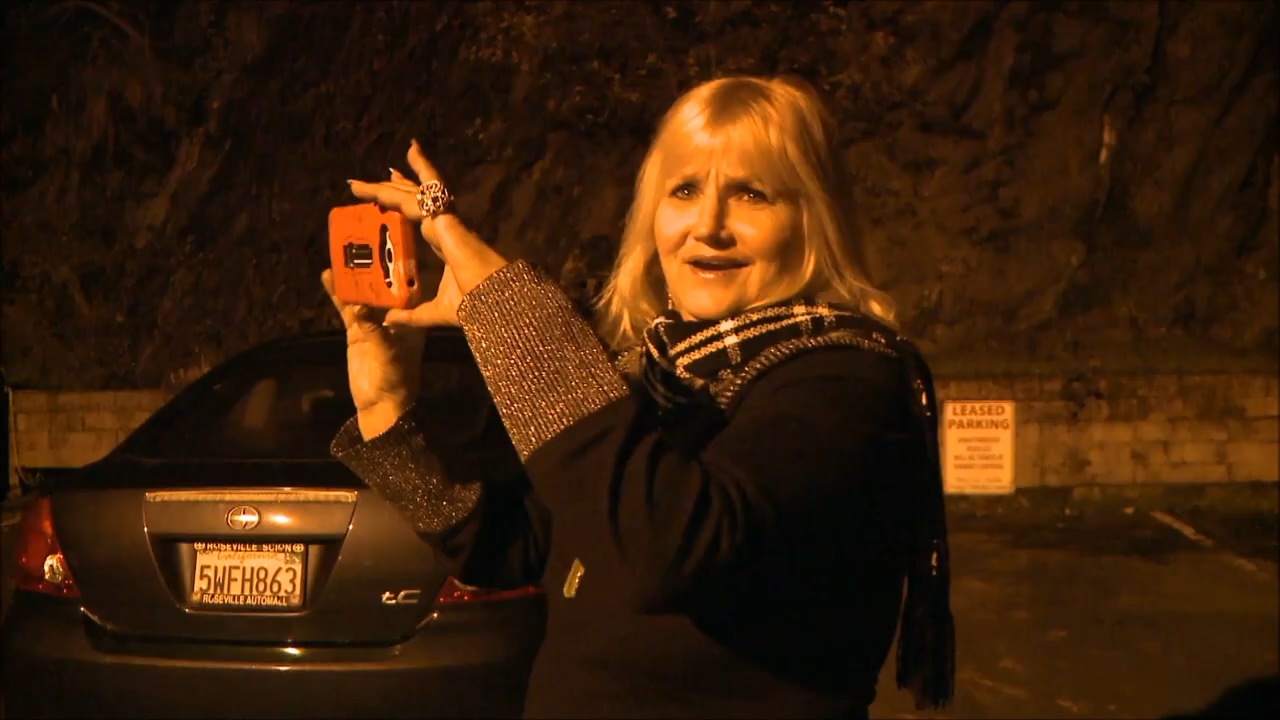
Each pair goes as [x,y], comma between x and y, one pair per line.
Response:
[1131,430]
[1032,180]
[1138,429]
[65,429]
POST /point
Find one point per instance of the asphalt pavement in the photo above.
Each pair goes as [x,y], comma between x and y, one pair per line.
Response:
[1112,614]
[1106,614]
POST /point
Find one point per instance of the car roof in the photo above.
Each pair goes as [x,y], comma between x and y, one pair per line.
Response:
[449,343]
[326,347]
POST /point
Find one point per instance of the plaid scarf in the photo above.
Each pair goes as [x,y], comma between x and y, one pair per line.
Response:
[684,357]
[685,362]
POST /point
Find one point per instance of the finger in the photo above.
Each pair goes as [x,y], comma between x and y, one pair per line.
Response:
[402,181]
[421,166]
[363,317]
[326,279]
[368,318]
[426,315]
[345,312]
[401,199]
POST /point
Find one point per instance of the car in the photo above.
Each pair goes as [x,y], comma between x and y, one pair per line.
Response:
[220,563]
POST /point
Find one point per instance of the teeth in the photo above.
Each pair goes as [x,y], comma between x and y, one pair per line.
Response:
[715,265]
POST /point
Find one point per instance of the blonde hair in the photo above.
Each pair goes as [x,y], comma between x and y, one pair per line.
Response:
[787,134]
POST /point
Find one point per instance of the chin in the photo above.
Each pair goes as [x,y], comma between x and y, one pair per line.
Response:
[703,309]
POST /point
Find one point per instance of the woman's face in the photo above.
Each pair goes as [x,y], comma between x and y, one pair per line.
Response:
[725,241]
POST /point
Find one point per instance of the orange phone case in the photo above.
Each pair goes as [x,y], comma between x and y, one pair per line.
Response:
[373,253]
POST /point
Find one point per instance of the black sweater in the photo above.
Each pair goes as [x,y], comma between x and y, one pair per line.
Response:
[757,573]
[750,566]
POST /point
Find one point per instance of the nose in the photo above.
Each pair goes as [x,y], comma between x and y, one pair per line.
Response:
[710,227]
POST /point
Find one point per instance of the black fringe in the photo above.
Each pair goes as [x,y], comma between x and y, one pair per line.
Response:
[926,662]
[927,641]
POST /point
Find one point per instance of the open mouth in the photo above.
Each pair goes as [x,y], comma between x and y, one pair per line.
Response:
[716,266]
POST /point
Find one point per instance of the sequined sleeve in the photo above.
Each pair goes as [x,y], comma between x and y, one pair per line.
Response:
[543,365]
[401,466]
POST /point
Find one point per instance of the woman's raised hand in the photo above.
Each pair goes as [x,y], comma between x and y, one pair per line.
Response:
[384,364]
[468,260]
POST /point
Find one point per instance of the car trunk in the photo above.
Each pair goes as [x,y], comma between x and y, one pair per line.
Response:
[242,551]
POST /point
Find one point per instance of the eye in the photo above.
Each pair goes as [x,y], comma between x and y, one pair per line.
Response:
[684,191]
[753,195]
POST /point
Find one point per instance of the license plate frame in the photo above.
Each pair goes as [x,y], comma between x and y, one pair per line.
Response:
[278,580]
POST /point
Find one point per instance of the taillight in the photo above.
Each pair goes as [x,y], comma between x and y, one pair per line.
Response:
[455,592]
[42,567]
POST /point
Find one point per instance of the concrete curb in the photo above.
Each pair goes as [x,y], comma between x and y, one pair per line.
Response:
[1228,498]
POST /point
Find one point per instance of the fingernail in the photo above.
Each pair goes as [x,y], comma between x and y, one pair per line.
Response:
[350,182]
[393,171]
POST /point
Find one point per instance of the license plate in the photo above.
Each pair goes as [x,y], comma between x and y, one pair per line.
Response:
[249,575]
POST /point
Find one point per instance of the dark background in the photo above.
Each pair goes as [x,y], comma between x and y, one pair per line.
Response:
[168,167]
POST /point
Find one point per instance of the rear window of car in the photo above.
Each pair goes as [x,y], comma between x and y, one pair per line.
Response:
[289,410]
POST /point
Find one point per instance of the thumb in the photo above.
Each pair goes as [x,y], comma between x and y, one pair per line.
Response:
[429,314]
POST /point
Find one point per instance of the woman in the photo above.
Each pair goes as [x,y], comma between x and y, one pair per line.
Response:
[735,499]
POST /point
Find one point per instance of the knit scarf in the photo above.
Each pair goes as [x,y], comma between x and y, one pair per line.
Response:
[684,359]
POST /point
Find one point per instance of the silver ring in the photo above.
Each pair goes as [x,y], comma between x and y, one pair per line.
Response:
[434,199]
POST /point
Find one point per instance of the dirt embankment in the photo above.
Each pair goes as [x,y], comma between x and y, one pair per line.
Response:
[1038,185]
